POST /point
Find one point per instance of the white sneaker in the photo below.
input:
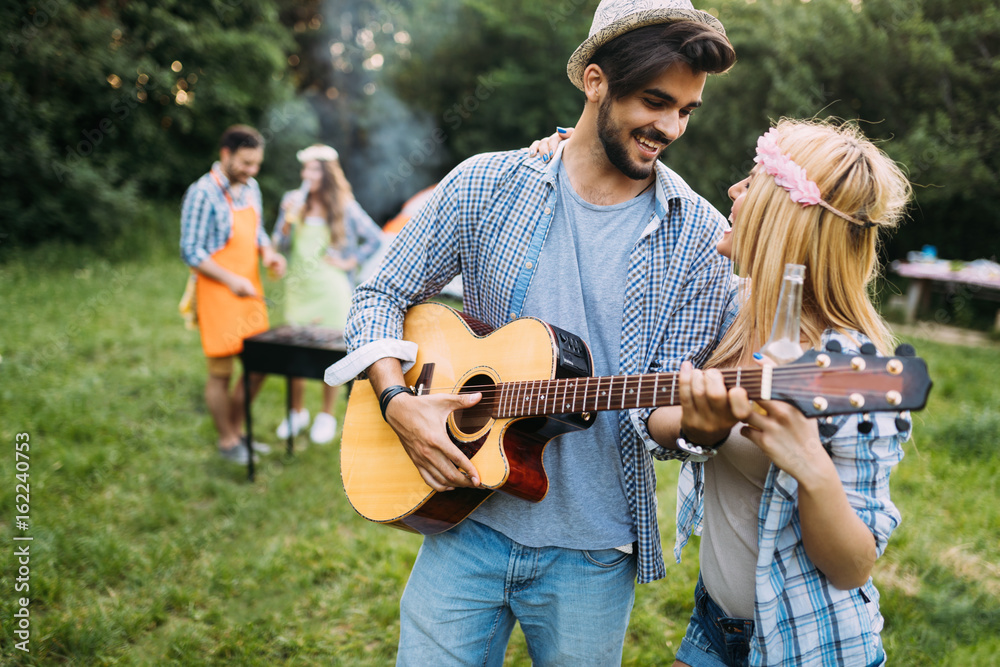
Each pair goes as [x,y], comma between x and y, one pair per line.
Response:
[323,429]
[300,419]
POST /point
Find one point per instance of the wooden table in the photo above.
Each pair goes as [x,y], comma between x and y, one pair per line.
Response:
[925,276]
[292,351]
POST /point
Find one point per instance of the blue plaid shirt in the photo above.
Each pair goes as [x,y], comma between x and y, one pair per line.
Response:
[799,617]
[488,220]
[207,222]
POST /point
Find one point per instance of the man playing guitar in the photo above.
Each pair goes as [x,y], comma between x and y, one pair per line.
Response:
[599,239]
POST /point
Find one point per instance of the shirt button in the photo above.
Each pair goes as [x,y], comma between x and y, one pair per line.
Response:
[547,210]
[513,315]
[528,265]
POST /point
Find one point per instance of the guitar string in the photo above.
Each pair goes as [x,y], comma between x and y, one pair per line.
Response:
[592,395]
[749,374]
[618,386]
[561,383]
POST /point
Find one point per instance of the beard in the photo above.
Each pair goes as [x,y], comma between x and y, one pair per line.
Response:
[610,132]
[235,177]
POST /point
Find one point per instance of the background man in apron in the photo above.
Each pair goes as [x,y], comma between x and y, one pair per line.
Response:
[221,240]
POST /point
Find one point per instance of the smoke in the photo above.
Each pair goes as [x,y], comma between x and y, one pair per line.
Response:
[388,150]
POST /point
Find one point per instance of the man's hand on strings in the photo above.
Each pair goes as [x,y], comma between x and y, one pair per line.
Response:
[419,421]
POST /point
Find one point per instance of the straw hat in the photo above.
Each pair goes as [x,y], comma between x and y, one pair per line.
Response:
[317,152]
[614,18]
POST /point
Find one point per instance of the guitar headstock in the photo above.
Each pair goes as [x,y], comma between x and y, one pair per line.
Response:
[827,383]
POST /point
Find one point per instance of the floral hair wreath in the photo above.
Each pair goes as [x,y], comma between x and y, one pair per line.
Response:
[793,178]
[317,152]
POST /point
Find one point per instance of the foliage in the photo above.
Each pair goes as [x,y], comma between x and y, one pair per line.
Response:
[921,75]
[93,131]
[494,75]
[150,550]
[106,106]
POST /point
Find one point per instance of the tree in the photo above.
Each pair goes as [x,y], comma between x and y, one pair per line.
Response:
[107,106]
[921,76]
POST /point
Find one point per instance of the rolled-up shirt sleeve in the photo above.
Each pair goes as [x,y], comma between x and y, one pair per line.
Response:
[864,461]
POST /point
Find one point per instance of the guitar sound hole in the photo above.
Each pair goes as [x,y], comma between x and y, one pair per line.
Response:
[471,420]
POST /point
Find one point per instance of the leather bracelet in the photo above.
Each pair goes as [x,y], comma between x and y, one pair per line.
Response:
[390,393]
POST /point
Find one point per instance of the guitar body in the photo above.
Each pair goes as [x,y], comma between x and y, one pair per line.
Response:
[460,353]
[537,383]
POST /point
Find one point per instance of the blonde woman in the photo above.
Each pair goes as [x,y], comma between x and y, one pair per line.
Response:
[327,237]
[792,520]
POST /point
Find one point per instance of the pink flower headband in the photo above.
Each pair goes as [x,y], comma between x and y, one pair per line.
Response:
[792,177]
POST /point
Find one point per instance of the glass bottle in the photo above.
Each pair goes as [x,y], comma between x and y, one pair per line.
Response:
[783,346]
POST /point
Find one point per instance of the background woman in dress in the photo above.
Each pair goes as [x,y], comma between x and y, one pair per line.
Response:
[327,236]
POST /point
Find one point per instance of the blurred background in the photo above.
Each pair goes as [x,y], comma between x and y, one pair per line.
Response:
[110,109]
[148,549]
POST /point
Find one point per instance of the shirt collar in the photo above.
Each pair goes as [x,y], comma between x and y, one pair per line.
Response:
[669,185]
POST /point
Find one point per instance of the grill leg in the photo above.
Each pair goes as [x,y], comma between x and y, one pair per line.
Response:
[249,423]
[288,411]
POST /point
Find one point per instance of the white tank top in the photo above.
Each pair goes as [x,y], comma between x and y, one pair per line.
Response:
[734,482]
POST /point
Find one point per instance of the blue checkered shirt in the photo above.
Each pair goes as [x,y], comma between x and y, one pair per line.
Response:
[488,220]
[207,222]
[799,617]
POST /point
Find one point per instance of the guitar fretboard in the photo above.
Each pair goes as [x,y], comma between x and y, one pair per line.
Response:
[616,392]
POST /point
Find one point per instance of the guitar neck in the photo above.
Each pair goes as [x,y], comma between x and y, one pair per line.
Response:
[616,392]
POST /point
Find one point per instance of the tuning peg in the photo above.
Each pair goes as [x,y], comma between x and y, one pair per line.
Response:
[833,346]
[902,423]
[865,426]
[869,349]
[905,350]
[827,428]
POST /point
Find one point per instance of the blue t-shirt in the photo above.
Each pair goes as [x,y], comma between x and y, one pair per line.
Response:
[579,286]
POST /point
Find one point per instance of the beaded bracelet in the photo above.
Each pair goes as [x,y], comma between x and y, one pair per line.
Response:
[390,393]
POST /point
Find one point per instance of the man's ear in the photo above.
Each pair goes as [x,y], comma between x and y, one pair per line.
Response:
[224,154]
[595,83]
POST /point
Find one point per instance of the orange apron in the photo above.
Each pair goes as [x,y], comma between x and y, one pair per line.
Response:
[224,318]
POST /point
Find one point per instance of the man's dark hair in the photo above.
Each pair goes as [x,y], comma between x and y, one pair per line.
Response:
[634,59]
[241,136]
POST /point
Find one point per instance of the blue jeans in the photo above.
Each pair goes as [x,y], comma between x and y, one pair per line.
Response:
[714,639]
[470,584]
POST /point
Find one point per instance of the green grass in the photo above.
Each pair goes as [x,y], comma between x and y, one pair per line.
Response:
[148,549]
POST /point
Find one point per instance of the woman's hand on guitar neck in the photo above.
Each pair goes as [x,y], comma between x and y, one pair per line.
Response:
[709,410]
[419,421]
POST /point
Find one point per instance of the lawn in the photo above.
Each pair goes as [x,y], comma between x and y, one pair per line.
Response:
[147,548]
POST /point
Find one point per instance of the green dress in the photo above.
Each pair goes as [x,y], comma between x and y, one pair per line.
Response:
[315,291]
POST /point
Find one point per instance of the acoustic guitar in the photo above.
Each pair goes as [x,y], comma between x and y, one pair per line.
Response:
[536,384]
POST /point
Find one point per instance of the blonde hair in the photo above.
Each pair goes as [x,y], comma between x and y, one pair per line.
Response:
[841,257]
